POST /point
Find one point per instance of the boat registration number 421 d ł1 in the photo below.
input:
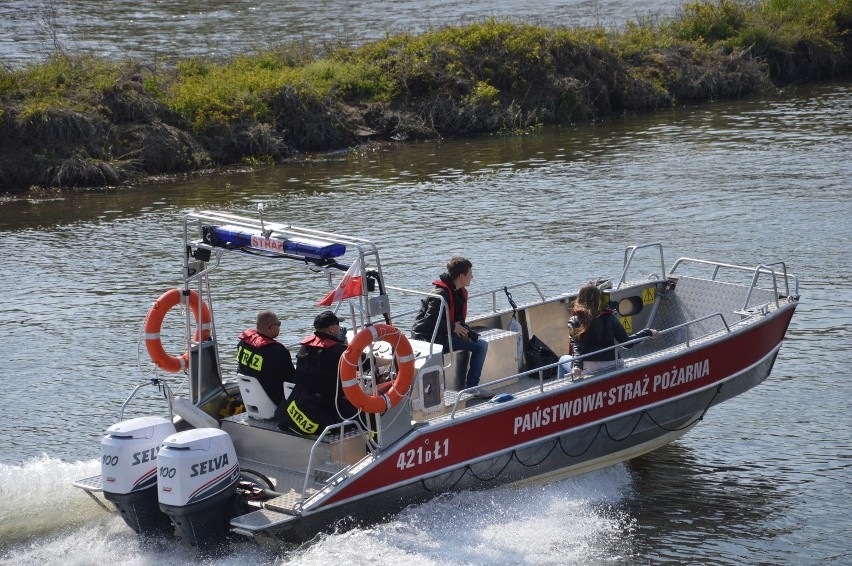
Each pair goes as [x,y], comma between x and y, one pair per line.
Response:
[423,454]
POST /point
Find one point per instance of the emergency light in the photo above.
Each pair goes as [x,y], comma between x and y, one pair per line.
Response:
[229,236]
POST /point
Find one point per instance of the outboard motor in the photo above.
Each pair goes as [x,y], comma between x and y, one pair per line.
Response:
[198,477]
[129,472]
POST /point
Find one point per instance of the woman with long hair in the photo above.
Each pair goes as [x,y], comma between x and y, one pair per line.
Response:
[591,329]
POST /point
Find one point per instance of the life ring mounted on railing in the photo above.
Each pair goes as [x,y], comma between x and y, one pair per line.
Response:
[378,402]
[154,323]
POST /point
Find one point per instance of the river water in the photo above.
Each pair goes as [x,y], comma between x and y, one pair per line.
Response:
[161,29]
[764,479]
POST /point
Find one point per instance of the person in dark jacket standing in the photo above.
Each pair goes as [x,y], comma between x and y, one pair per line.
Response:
[317,400]
[592,328]
[452,286]
[261,356]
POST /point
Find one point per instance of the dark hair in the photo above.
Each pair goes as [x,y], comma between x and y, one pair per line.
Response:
[587,306]
[458,266]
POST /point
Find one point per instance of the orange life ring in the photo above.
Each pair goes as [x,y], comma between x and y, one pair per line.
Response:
[154,322]
[350,360]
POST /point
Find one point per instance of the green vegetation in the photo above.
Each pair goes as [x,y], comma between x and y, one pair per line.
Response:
[84,121]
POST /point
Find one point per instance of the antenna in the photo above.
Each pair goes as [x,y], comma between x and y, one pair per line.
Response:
[266,233]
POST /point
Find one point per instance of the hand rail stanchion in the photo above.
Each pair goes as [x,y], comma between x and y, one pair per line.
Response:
[161,384]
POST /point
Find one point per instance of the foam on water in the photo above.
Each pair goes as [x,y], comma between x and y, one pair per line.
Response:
[568,522]
[108,540]
[38,497]
[45,520]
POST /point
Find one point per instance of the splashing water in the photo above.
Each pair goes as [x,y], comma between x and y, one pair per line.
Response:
[38,497]
[568,522]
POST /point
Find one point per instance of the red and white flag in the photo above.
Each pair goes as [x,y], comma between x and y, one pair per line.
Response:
[350,286]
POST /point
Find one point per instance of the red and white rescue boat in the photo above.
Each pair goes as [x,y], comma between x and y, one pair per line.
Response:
[188,471]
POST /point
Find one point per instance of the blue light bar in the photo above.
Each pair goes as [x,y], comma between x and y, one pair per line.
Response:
[238,237]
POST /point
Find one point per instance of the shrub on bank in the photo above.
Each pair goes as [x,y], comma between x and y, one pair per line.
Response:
[84,121]
[800,40]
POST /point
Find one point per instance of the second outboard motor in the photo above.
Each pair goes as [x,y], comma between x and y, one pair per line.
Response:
[197,478]
[129,472]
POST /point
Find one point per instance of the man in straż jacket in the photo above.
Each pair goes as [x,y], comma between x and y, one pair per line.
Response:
[261,356]
[317,400]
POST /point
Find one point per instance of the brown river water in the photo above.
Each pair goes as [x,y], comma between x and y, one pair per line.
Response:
[764,479]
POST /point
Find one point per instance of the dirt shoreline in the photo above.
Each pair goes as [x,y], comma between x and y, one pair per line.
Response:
[130,129]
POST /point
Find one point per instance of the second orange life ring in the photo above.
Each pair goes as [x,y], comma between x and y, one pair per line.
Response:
[350,360]
[154,322]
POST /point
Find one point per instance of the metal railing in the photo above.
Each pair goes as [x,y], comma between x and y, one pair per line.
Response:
[441,311]
[371,445]
[617,348]
[161,385]
[197,269]
[630,253]
[432,294]
[761,269]
[495,292]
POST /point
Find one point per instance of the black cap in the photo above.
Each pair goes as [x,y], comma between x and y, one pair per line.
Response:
[326,319]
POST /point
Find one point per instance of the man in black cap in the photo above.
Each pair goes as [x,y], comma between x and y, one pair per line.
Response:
[317,400]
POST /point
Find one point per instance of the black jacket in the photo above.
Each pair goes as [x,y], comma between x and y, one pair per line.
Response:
[317,400]
[605,331]
[427,318]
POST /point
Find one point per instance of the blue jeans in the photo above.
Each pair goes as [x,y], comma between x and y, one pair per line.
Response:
[477,350]
[564,366]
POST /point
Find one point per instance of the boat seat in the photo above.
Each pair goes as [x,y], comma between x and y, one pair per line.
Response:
[501,360]
[257,402]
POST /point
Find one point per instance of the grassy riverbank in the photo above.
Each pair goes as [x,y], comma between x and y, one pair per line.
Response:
[76,121]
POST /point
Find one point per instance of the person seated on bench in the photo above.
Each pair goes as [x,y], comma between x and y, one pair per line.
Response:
[317,400]
[593,328]
[452,287]
[261,356]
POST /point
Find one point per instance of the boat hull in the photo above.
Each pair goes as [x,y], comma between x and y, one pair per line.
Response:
[717,329]
[563,431]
